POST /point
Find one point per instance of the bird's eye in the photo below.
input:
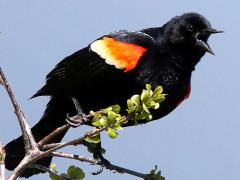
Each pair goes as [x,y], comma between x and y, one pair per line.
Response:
[190,28]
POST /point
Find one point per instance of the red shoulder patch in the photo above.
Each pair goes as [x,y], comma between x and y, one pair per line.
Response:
[120,54]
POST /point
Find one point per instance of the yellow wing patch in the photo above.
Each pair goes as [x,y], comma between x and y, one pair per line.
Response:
[120,54]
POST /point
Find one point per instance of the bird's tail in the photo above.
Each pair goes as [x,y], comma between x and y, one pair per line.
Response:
[53,118]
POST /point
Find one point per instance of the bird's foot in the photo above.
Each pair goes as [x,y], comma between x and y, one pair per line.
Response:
[76,121]
[79,119]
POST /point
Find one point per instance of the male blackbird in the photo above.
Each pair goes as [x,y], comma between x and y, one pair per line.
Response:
[114,67]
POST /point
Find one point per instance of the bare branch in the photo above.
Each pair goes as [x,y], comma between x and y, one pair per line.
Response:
[76,157]
[43,168]
[49,146]
[78,140]
[57,131]
[29,141]
[92,161]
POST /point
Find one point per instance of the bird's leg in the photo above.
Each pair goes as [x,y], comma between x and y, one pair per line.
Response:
[80,118]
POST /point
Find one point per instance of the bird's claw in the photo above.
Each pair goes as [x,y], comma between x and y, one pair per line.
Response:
[79,119]
[76,121]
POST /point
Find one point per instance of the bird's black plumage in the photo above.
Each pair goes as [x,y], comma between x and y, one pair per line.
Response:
[164,56]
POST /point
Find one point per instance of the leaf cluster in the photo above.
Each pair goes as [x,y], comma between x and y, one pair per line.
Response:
[139,105]
[73,173]
[154,175]
[138,109]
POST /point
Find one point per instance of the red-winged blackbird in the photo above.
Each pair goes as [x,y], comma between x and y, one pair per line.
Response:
[116,66]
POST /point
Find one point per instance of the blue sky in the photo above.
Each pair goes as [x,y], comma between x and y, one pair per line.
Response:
[199,140]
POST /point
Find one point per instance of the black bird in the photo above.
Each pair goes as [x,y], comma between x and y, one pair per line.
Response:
[114,67]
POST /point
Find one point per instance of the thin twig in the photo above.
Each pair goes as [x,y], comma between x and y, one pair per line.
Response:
[92,161]
[76,157]
[49,146]
[78,140]
[29,141]
[57,131]
[43,168]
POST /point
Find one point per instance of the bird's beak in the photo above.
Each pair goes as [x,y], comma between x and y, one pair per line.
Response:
[204,45]
[213,31]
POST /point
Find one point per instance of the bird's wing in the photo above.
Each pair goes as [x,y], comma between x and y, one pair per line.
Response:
[111,58]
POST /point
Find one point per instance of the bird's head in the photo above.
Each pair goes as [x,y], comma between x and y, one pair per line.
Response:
[191,30]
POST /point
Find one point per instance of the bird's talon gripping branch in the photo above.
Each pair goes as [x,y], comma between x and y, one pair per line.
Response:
[76,121]
[79,119]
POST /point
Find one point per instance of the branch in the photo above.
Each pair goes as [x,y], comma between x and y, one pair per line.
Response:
[43,168]
[33,149]
[36,155]
[29,141]
[59,130]
[92,161]
[78,140]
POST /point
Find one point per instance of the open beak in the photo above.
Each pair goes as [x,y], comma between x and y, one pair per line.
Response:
[204,45]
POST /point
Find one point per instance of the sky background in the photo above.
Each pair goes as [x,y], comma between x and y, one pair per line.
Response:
[199,140]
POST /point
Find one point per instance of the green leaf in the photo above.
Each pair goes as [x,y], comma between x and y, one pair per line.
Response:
[112,133]
[158,89]
[148,87]
[136,100]
[149,117]
[53,166]
[145,108]
[95,139]
[130,104]
[154,105]
[116,108]
[111,116]
[157,92]
[141,116]
[160,99]
[118,126]
[103,121]
[145,96]
[107,109]
[75,173]
[95,121]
